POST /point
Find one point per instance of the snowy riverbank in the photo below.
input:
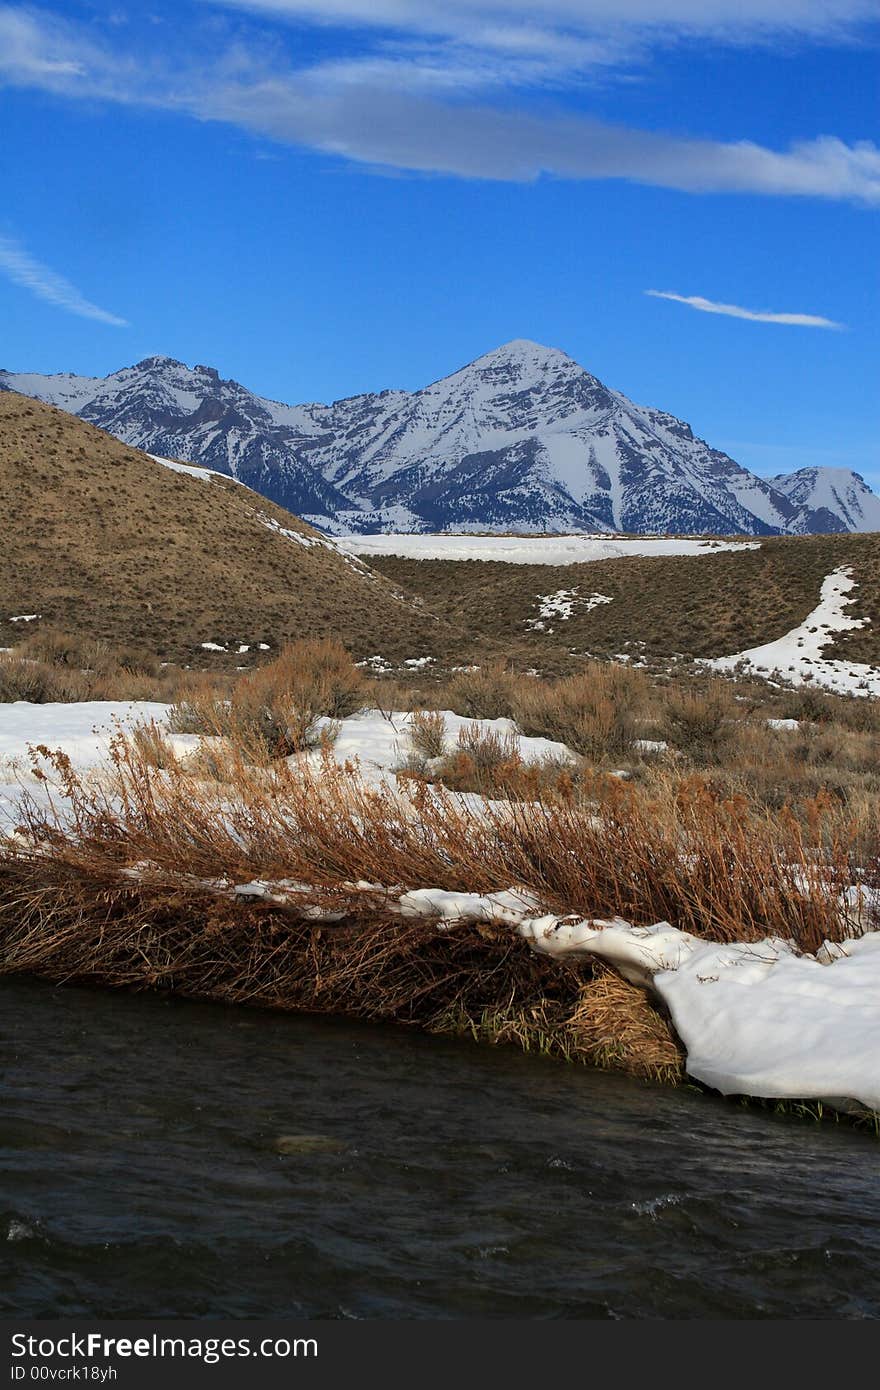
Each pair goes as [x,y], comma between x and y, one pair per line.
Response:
[757,1018]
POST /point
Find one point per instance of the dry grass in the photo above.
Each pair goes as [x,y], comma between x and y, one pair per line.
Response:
[484,761]
[111,545]
[130,884]
[705,605]
[619,1028]
[427,732]
[274,710]
[66,921]
[722,868]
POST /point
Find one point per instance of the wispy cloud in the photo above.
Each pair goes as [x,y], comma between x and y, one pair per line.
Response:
[409,130]
[22,269]
[410,110]
[551,42]
[735,311]
[526,23]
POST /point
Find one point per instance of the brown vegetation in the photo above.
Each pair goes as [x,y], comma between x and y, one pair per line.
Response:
[273,710]
[719,867]
[697,606]
[109,544]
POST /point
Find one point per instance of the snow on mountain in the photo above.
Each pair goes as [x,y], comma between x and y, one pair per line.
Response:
[174,411]
[522,439]
[837,495]
[65,390]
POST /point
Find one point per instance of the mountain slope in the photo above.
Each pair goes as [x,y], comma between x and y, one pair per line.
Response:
[521,439]
[838,494]
[103,539]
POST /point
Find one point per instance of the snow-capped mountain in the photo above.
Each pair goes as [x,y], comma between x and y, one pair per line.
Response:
[838,496]
[174,411]
[522,439]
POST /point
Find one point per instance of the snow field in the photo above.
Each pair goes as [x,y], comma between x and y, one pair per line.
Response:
[532,550]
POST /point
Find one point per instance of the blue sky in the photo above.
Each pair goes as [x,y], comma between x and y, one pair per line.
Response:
[321,197]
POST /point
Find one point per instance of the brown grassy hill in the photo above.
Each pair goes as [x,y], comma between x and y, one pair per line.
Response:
[707,605]
[101,540]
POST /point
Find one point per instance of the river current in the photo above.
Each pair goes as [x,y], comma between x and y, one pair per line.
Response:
[164,1158]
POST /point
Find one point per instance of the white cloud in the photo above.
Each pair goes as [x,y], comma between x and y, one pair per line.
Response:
[408,130]
[22,269]
[407,110]
[734,311]
[734,20]
[37,50]
[546,42]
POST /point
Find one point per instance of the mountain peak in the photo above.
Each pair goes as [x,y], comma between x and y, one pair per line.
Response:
[157,361]
[523,350]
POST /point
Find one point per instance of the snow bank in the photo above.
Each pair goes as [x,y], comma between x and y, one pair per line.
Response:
[381,742]
[756,1018]
[797,657]
[533,550]
[83,731]
[377,742]
[763,1021]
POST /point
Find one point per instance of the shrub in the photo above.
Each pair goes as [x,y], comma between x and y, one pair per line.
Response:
[274,710]
[487,693]
[427,731]
[487,749]
[40,683]
[593,712]
[700,722]
[59,648]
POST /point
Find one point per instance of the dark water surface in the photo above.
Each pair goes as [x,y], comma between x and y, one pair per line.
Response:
[140,1175]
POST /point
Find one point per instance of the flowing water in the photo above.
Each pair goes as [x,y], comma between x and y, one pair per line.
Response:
[166,1158]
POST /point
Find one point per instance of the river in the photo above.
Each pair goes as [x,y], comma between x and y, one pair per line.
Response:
[164,1158]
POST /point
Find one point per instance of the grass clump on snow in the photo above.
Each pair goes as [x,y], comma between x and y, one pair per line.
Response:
[593,712]
[275,708]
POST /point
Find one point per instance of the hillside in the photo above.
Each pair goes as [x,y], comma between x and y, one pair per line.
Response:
[101,539]
[522,439]
[708,605]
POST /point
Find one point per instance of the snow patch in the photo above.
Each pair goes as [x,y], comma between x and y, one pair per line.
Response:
[206,474]
[285,531]
[561,605]
[380,743]
[533,550]
[83,730]
[797,657]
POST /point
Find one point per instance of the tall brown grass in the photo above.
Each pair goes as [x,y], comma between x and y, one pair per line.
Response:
[276,707]
[719,867]
[128,880]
